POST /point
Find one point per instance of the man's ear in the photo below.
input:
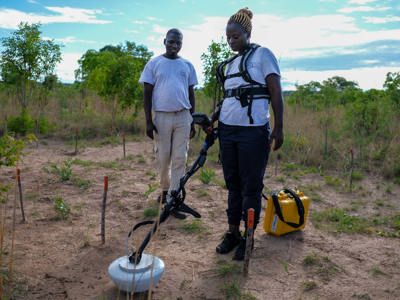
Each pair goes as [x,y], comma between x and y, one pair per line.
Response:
[165,40]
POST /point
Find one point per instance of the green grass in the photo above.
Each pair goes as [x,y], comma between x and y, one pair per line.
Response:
[83,184]
[62,208]
[194,226]
[140,159]
[376,271]
[206,175]
[311,260]
[150,212]
[112,164]
[202,193]
[321,266]
[308,285]
[63,171]
[337,220]
[311,192]
[281,179]
[150,189]
[357,176]
[232,290]
[333,181]
[225,268]
[152,175]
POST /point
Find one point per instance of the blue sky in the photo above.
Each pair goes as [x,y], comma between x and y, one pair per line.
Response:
[312,39]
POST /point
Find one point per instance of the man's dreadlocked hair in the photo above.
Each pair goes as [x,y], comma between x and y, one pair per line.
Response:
[243,18]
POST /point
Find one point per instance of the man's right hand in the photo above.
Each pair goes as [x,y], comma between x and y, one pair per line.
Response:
[150,127]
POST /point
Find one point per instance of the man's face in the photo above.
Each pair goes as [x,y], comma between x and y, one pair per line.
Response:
[173,43]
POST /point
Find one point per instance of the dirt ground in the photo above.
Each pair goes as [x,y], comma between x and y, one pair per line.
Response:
[64,259]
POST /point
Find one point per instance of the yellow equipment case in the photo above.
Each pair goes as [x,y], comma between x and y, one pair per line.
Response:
[286,211]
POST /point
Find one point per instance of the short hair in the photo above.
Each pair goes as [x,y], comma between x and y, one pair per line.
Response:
[243,18]
[175,31]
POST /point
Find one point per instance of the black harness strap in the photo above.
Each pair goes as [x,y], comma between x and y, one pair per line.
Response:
[247,93]
[299,204]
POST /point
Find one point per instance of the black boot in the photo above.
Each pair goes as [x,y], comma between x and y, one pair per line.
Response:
[230,241]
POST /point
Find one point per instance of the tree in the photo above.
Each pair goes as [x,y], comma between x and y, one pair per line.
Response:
[113,73]
[26,59]
[216,53]
[392,85]
[367,119]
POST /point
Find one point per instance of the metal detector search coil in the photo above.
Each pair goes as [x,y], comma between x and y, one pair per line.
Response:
[139,277]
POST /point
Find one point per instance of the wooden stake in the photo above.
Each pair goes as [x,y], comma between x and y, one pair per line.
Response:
[21,201]
[123,144]
[76,141]
[351,169]
[249,240]
[103,211]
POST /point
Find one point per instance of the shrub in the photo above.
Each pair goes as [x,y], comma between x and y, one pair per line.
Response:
[62,209]
[21,124]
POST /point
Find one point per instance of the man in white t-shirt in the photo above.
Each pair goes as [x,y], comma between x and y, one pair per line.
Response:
[168,82]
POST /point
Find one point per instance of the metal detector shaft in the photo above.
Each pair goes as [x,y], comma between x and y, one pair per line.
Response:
[177,197]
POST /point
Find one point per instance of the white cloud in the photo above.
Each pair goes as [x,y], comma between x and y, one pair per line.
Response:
[72,39]
[66,68]
[287,37]
[32,1]
[361,75]
[139,22]
[348,10]
[381,20]
[361,2]
[10,18]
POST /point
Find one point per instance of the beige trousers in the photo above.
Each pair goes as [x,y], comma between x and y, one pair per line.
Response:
[172,142]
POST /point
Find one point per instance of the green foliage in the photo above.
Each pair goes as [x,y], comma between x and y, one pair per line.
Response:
[83,184]
[206,175]
[337,220]
[216,53]
[232,290]
[150,212]
[368,116]
[64,171]
[27,58]
[21,124]
[392,85]
[308,285]
[10,150]
[356,176]
[151,188]
[193,226]
[333,181]
[225,268]
[62,208]
[113,72]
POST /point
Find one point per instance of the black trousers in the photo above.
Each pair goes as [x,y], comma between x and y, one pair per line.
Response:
[244,154]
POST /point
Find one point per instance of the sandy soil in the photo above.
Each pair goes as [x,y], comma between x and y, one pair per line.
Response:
[64,259]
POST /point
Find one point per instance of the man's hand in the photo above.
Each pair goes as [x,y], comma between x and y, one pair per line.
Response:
[150,127]
[276,139]
[192,130]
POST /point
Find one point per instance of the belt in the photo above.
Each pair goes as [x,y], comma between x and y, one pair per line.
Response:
[248,91]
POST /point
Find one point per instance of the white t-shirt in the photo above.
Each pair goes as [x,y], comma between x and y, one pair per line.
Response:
[260,64]
[171,79]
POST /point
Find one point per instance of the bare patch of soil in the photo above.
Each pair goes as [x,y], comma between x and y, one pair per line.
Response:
[63,259]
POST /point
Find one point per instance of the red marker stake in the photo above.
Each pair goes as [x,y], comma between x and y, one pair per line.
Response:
[249,239]
[103,211]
